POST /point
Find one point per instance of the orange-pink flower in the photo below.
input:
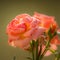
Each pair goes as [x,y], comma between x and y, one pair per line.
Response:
[47,22]
[24,28]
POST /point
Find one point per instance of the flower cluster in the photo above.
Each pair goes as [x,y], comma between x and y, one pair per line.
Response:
[25,28]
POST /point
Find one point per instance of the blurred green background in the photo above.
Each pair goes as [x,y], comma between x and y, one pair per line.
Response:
[9,9]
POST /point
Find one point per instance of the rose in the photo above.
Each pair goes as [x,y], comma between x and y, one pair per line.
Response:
[47,22]
[24,28]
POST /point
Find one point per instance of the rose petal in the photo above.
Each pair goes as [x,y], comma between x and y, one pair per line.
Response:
[24,44]
[53,47]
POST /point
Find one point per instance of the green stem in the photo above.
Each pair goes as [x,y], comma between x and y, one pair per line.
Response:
[46,48]
[32,44]
[32,54]
[14,58]
[40,50]
[39,55]
[37,50]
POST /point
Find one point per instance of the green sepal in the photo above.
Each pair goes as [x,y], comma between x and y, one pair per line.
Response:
[32,44]
[55,33]
[50,34]
[53,51]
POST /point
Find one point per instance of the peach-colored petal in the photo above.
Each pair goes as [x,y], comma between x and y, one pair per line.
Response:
[53,47]
[35,33]
[38,32]
[29,32]
[24,44]
[46,21]
[35,23]
[24,18]
[55,40]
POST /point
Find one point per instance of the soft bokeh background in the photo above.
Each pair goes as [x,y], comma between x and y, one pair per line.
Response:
[9,9]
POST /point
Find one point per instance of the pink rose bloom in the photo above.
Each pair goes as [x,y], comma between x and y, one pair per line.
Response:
[47,22]
[24,28]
